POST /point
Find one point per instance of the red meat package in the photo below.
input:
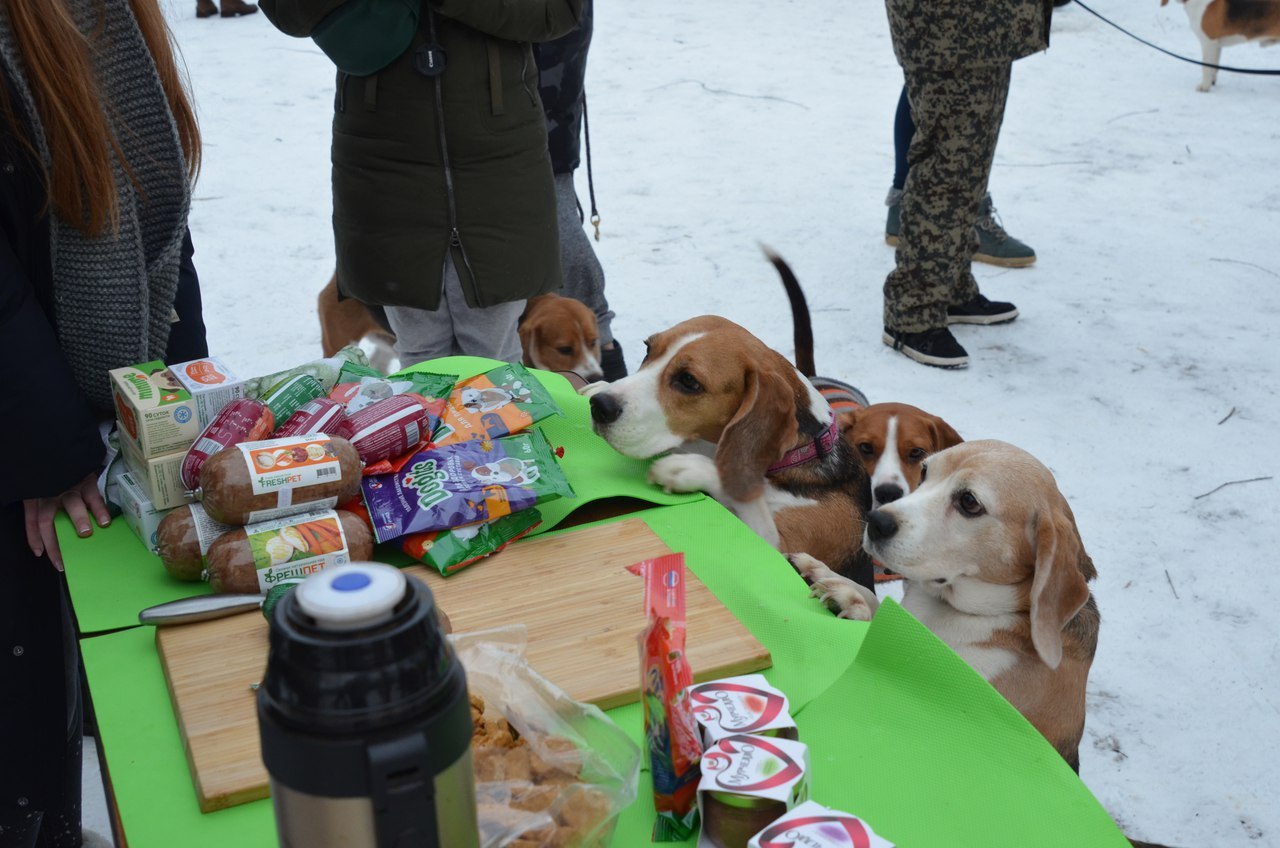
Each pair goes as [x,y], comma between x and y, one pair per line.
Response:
[393,427]
[671,734]
[242,420]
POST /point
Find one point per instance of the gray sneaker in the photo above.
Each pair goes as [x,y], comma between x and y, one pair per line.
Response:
[995,245]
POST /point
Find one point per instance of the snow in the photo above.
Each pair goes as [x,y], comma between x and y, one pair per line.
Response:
[1138,371]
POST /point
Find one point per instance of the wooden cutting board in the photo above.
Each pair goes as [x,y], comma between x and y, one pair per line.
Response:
[572,591]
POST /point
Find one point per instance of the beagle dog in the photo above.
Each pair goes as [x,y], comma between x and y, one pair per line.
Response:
[556,333]
[995,567]
[893,440]
[779,463]
[1223,23]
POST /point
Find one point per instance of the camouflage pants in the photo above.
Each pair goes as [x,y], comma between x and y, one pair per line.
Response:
[957,115]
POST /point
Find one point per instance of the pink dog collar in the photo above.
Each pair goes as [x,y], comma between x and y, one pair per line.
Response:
[816,449]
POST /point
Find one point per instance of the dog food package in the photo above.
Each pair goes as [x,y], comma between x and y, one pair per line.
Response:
[815,826]
[183,540]
[211,383]
[289,395]
[256,557]
[665,675]
[242,420]
[160,476]
[464,483]
[360,385]
[748,782]
[746,704]
[450,551]
[325,371]
[317,416]
[125,492]
[503,401]
[157,415]
[393,426]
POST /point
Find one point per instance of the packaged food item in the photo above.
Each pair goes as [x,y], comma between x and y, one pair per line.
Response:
[183,540]
[747,783]
[324,370]
[274,478]
[665,675]
[745,704]
[450,551]
[393,426]
[255,557]
[160,476]
[317,416]
[211,383]
[812,825]
[157,415]
[506,400]
[124,490]
[242,420]
[360,385]
[464,483]
[288,396]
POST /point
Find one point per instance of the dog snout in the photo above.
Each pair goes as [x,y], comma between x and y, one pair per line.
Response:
[605,408]
[887,493]
[880,525]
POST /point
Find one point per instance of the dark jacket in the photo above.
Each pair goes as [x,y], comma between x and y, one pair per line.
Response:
[562,71]
[396,208]
[943,35]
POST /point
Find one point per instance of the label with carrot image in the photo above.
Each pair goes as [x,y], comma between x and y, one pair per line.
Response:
[295,547]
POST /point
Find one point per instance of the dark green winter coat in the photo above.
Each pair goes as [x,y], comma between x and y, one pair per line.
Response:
[944,35]
[396,208]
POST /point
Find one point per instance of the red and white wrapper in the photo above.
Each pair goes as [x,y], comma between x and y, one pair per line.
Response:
[317,416]
[391,427]
[242,420]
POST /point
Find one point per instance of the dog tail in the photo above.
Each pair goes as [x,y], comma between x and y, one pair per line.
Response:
[799,313]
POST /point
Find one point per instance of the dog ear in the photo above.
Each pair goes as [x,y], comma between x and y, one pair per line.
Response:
[756,436]
[528,332]
[944,434]
[1058,587]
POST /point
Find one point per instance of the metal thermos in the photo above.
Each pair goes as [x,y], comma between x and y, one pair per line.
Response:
[364,717]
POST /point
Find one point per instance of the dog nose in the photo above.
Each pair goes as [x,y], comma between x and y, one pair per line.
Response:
[887,493]
[880,525]
[605,408]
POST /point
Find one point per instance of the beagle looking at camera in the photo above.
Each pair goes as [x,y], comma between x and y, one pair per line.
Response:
[994,566]
[893,440]
[1222,23]
[780,464]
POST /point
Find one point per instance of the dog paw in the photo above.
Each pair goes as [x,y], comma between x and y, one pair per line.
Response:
[809,568]
[839,594]
[683,472]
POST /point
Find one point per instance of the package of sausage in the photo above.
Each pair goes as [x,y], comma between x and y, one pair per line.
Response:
[183,540]
[450,551]
[320,415]
[361,385]
[464,483]
[239,421]
[500,402]
[258,556]
[393,426]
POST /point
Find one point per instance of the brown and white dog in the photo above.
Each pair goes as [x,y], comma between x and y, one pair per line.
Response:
[556,333]
[995,567]
[1223,23]
[893,440]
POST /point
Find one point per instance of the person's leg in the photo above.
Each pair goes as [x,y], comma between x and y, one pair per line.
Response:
[490,331]
[421,334]
[904,129]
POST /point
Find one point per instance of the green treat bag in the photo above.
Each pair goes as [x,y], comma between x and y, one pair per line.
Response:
[500,402]
[290,394]
[450,551]
[360,385]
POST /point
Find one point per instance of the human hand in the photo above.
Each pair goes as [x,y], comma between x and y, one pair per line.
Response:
[79,501]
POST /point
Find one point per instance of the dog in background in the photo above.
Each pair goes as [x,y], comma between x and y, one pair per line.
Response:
[1223,23]
[556,333]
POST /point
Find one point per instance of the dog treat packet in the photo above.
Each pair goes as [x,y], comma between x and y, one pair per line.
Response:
[324,370]
[464,483]
[506,400]
[745,704]
[748,782]
[291,394]
[815,826]
[450,551]
[669,728]
[361,385]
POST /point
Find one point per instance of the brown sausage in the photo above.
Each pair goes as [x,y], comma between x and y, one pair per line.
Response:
[231,562]
[226,485]
[183,539]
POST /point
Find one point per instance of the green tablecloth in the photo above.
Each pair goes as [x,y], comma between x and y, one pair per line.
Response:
[900,730]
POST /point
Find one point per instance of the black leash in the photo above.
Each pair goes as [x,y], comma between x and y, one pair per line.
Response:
[1259,71]
[591,183]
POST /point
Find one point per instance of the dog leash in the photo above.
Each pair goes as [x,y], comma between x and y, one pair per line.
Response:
[1258,71]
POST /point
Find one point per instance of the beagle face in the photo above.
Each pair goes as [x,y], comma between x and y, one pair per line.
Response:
[561,334]
[988,533]
[893,440]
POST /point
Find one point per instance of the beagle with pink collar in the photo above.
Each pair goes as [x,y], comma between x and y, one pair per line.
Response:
[995,567]
[779,462]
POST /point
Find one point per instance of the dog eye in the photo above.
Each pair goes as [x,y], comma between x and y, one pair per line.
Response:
[687,383]
[566,350]
[917,454]
[969,504]
[866,449]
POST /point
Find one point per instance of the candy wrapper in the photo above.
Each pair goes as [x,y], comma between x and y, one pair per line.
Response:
[506,400]
[464,483]
[360,385]
[449,551]
[671,734]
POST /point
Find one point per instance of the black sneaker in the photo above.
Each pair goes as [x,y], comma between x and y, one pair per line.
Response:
[982,311]
[935,347]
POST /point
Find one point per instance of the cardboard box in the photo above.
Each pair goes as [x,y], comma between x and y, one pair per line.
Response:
[126,492]
[211,383]
[160,476]
[157,415]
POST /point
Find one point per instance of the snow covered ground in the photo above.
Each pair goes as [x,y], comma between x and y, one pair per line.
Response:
[1143,369]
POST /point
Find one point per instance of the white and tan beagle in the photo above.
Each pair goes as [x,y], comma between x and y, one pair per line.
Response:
[995,567]
[893,440]
[779,463]
[1223,23]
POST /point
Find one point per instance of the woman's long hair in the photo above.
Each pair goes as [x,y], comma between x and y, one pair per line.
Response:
[57,62]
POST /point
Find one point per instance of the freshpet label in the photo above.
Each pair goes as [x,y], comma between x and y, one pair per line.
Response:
[812,825]
[281,465]
[295,547]
[762,766]
[746,704]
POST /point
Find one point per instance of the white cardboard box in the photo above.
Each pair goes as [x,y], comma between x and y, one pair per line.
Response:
[160,476]
[135,504]
[210,383]
[157,415]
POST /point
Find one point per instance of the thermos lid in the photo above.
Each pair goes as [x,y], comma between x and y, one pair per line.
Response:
[351,597]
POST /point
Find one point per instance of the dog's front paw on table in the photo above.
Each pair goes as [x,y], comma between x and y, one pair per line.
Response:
[839,594]
[684,472]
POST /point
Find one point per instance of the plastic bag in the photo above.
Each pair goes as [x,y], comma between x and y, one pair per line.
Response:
[580,769]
